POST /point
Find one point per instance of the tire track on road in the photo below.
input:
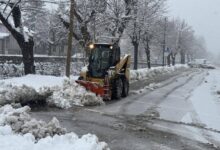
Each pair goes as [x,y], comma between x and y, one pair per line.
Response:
[155,103]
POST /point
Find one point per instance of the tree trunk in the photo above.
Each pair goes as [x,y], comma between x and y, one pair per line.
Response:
[49,50]
[173,59]
[188,58]
[28,56]
[147,50]
[182,57]
[135,55]
[169,59]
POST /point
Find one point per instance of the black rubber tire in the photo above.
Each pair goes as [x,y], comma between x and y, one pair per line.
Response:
[125,89]
[117,89]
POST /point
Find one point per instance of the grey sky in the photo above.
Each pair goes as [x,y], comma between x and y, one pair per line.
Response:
[203,15]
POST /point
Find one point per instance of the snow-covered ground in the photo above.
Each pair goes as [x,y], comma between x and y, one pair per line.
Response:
[35,81]
[19,131]
[206,100]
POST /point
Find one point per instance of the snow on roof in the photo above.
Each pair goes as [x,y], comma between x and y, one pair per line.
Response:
[4,35]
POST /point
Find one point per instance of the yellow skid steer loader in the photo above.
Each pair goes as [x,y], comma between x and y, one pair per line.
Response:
[107,73]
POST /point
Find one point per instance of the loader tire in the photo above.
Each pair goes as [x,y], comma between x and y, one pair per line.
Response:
[117,89]
[125,89]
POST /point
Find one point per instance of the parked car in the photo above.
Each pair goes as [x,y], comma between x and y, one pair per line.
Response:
[201,63]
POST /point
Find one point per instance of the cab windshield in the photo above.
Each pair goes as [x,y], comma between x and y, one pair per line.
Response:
[99,61]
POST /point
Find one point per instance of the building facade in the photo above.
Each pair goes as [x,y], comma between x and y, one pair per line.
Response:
[8,45]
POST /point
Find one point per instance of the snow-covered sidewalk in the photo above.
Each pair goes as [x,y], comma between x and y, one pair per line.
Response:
[206,100]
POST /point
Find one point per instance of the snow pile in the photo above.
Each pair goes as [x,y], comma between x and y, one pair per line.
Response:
[71,94]
[141,74]
[18,94]
[21,122]
[70,141]
[30,88]
[37,135]
[57,91]
[35,81]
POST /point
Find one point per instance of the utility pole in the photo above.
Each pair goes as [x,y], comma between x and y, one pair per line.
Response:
[94,24]
[164,40]
[94,29]
[70,38]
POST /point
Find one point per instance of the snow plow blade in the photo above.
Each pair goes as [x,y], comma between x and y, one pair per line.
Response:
[99,90]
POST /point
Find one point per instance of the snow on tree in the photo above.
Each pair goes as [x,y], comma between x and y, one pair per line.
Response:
[117,16]
[142,29]
[11,17]
[181,39]
[83,16]
[36,18]
[57,33]
[97,19]
[199,49]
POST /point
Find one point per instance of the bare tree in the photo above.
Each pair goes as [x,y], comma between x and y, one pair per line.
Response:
[152,12]
[11,17]
[142,27]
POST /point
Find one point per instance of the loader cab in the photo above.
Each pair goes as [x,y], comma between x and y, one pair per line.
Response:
[102,57]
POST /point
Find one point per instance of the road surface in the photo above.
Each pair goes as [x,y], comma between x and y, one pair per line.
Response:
[150,120]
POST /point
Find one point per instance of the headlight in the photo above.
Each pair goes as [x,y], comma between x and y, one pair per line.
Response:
[91,46]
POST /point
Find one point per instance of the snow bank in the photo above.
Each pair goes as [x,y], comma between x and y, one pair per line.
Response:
[19,94]
[21,122]
[206,101]
[57,91]
[36,82]
[30,88]
[141,74]
[19,131]
[70,141]
[71,94]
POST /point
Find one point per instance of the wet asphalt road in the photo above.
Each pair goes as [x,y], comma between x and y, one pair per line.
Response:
[135,123]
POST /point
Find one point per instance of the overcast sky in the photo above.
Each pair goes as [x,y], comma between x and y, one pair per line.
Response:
[203,15]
